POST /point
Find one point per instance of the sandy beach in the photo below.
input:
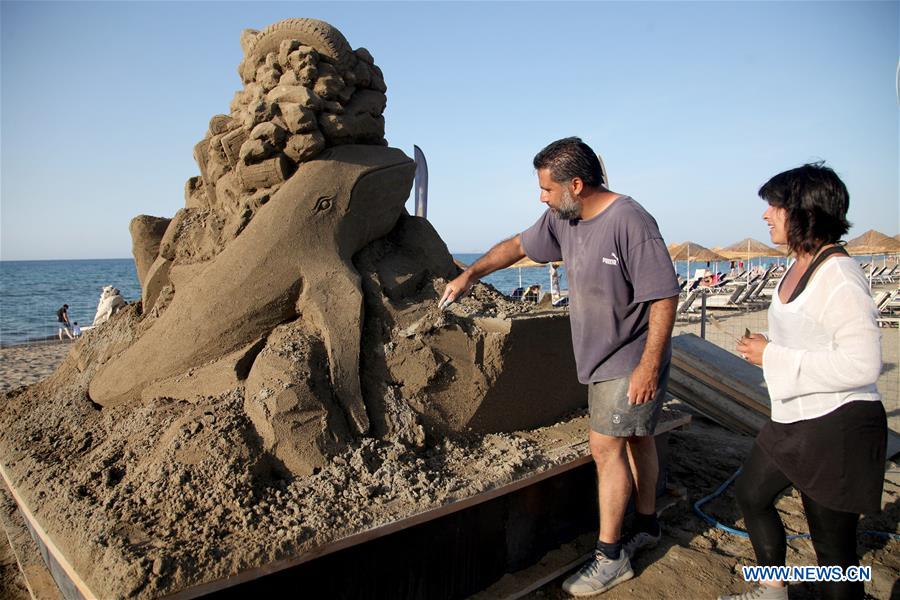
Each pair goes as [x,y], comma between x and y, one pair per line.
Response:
[29,363]
[690,544]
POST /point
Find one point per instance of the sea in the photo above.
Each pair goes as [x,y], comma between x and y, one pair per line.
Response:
[32,291]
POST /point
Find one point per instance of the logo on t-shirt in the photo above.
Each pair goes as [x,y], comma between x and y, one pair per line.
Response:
[614,261]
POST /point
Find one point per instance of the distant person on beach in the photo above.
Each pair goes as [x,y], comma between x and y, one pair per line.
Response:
[821,359]
[554,282]
[76,330]
[62,318]
[623,292]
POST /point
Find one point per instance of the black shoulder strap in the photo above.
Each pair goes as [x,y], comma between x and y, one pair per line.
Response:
[801,285]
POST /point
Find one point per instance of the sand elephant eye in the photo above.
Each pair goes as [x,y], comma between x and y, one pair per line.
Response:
[323,204]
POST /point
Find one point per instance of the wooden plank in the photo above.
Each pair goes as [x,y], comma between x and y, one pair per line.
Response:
[67,579]
[38,580]
[722,370]
[730,388]
[713,404]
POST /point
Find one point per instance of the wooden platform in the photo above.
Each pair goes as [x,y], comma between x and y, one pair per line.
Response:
[32,565]
[448,552]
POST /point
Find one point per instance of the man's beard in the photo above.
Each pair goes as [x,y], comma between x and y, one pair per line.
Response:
[569,208]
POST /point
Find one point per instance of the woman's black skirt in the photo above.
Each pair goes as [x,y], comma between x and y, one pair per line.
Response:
[836,459]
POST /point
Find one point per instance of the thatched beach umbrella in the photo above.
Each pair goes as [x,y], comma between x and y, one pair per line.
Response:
[747,249]
[527,262]
[693,252]
[872,243]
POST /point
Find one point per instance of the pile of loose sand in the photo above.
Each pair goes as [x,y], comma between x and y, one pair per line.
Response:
[147,500]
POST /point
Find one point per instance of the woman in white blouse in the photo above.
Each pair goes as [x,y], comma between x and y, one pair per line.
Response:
[821,358]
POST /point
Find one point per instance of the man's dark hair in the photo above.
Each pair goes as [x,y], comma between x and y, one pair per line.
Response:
[816,202]
[569,158]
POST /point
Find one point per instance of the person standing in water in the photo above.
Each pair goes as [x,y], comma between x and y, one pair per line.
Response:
[62,318]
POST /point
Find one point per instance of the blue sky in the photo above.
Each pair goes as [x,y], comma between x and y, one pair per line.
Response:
[692,105]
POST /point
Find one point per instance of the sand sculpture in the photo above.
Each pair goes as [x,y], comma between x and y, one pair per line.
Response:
[287,378]
[295,275]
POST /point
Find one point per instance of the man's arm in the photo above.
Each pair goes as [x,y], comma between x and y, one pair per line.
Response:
[644,378]
[500,256]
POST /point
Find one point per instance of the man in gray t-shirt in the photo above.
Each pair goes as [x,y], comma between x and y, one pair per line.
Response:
[622,297]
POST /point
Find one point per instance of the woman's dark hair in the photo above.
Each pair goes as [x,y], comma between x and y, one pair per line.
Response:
[816,202]
[568,158]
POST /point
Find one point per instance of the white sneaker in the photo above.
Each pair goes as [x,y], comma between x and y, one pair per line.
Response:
[760,592]
[598,575]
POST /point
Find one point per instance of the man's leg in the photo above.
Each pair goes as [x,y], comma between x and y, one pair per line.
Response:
[610,565]
[644,531]
[644,472]
[644,463]
[614,483]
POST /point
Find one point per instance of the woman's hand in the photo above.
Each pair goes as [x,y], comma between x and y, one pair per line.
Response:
[751,348]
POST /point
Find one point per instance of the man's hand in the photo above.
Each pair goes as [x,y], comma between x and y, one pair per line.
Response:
[457,288]
[500,256]
[643,383]
[644,379]
[751,348]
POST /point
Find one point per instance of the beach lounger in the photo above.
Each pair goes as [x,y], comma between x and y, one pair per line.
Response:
[726,301]
[888,305]
[687,303]
[886,276]
[753,296]
[875,273]
[880,299]
[888,302]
